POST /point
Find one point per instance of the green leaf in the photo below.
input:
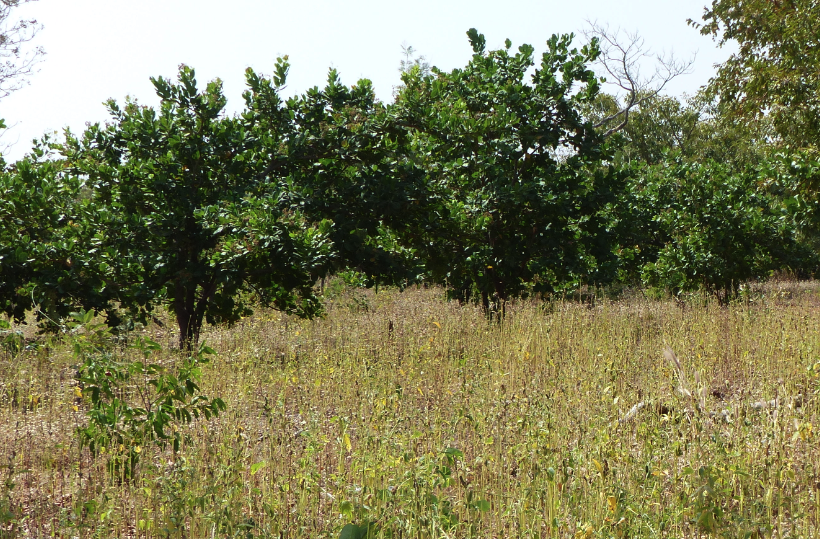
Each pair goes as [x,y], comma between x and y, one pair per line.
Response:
[482,505]
[346,508]
[352,531]
[477,41]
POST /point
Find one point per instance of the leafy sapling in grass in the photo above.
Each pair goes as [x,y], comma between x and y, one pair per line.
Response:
[11,341]
[134,403]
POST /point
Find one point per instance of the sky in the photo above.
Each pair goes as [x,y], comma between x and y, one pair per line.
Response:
[101,49]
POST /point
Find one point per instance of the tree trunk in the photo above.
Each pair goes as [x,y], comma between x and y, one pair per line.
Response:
[190,312]
[184,302]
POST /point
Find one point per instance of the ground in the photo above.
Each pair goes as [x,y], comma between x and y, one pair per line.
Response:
[402,415]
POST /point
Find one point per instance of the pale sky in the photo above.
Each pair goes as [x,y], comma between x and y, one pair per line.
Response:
[100,49]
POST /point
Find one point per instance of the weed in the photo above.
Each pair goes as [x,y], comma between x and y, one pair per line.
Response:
[416,418]
[133,403]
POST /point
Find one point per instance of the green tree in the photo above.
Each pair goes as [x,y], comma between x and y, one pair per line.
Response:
[189,213]
[343,156]
[659,124]
[517,171]
[696,128]
[774,78]
[776,70]
[44,240]
[687,225]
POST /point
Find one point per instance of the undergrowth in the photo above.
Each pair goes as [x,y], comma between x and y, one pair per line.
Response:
[415,417]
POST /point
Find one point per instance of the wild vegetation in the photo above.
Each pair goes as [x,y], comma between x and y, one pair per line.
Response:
[410,416]
[505,304]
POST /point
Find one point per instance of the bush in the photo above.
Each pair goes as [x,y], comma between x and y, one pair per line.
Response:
[690,226]
[133,403]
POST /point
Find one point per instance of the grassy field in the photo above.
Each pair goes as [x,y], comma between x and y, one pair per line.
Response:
[402,415]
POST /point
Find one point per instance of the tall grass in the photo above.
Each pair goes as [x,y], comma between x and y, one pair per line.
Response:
[402,415]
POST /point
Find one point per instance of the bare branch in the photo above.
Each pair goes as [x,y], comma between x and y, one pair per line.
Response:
[413,59]
[5,145]
[623,54]
[16,64]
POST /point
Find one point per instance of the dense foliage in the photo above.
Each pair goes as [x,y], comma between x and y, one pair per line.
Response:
[48,256]
[344,158]
[492,180]
[689,226]
[774,72]
[188,215]
[521,167]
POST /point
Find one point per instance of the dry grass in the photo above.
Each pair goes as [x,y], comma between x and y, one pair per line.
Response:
[417,415]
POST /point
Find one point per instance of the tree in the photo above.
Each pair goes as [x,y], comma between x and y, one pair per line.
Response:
[660,124]
[696,128]
[189,213]
[776,70]
[343,156]
[701,225]
[45,263]
[15,63]
[516,169]
[620,61]
[774,79]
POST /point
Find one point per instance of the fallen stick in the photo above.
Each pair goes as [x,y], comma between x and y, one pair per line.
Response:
[796,400]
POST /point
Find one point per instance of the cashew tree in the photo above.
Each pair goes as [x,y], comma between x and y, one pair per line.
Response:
[45,262]
[347,162]
[190,212]
[522,175]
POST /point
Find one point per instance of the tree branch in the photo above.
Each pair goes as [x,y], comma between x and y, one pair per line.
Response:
[621,59]
[16,65]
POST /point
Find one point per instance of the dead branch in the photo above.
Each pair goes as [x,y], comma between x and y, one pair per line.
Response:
[622,57]
[16,64]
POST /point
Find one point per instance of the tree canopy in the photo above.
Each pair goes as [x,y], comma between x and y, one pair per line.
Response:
[775,69]
[516,166]
[190,214]
[495,180]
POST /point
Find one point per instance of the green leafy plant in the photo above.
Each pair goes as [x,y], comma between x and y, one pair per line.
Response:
[700,226]
[345,157]
[367,530]
[774,71]
[428,490]
[133,403]
[518,172]
[46,252]
[10,340]
[190,213]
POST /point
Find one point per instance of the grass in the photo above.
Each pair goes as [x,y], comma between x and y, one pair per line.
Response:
[402,415]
